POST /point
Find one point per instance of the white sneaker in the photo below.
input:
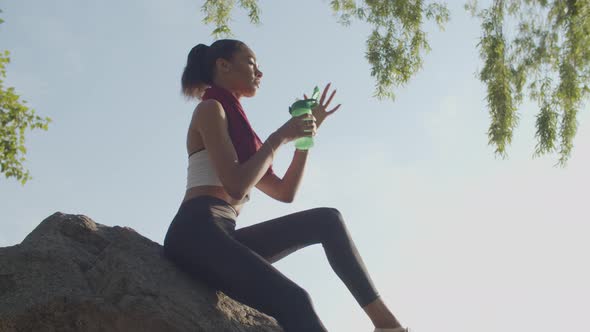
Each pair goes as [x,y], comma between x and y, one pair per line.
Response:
[397,329]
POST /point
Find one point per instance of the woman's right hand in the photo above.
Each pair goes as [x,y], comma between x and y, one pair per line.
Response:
[296,127]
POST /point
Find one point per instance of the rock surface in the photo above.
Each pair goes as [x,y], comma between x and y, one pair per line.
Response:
[73,274]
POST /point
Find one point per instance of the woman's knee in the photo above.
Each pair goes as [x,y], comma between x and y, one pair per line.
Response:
[296,299]
[331,218]
[301,294]
[329,222]
[299,314]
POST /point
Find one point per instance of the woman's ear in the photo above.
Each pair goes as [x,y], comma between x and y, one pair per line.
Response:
[222,65]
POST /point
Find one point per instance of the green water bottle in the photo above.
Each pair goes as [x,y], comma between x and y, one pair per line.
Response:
[301,107]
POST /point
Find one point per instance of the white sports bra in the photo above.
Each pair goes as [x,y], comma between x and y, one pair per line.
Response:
[200,172]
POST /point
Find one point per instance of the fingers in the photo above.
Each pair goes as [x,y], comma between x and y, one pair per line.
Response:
[334,109]
[311,128]
[324,93]
[330,99]
[308,117]
[308,123]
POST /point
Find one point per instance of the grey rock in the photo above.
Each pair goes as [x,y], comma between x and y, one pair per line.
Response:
[73,274]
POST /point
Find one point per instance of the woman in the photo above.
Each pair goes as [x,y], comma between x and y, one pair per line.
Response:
[226,160]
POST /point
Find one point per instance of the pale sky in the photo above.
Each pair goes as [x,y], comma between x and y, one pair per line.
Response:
[455,239]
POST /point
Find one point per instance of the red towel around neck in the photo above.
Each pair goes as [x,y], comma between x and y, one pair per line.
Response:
[243,137]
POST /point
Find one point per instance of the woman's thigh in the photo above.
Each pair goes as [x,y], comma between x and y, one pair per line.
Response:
[276,238]
[204,249]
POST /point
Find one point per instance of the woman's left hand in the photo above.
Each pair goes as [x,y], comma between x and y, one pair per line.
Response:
[319,111]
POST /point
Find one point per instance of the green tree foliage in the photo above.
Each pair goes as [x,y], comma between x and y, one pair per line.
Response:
[15,118]
[552,38]
[393,48]
[554,42]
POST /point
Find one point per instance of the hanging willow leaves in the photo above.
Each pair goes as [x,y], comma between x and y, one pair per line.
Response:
[553,39]
[393,48]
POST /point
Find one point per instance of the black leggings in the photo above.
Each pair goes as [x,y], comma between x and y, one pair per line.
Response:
[203,241]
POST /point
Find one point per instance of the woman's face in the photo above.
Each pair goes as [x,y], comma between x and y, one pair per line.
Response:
[242,72]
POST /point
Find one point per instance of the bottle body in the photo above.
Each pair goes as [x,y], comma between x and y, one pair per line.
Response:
[306,142]
[302,107]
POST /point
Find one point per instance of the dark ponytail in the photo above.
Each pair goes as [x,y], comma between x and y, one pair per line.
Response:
[199,70]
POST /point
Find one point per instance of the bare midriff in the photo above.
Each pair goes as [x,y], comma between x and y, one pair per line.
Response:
[215,191]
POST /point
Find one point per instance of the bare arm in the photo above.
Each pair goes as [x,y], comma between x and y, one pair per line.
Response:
[237,179]
[285,189]
[294,174]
